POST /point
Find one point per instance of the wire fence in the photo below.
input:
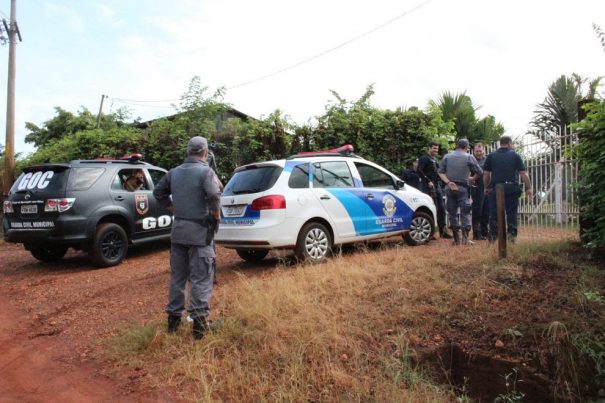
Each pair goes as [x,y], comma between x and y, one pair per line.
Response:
[552,165]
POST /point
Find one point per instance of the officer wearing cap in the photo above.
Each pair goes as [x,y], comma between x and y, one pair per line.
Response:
[455,171]
[195,191]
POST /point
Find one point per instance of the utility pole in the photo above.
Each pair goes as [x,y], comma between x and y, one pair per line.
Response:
[100,111]
[9,151]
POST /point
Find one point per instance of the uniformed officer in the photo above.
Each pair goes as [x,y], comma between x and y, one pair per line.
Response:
[427,171]
[505,166]
[195,191]
[480,210]
[455,171]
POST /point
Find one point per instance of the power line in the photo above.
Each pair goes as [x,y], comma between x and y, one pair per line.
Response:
[125,100]
[356,38]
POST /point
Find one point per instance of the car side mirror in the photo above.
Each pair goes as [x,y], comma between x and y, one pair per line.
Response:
[399,184]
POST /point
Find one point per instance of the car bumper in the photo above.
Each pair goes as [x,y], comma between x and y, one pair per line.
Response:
[278,235]
[41,232]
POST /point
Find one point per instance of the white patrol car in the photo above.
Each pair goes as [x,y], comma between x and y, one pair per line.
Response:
[313,201]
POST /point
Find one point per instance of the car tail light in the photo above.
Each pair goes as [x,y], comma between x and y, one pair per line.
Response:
[59,205]
[7,207]
[272,202]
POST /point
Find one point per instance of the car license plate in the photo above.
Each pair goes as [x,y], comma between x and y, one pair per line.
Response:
[234,210]
[29,209]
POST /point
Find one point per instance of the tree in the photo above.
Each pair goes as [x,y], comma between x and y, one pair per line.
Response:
[560,107]
[392,138]
[600,34]
[461,112]
[66,123]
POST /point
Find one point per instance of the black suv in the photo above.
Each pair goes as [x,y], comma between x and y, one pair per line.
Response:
[99,206]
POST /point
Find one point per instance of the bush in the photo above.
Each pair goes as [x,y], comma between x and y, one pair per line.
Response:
[591,154]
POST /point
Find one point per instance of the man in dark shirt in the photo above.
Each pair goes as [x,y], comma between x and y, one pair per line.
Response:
[505,166]
[410,175]
[427,171]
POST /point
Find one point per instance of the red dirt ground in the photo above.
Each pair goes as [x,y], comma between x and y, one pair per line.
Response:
[55,318]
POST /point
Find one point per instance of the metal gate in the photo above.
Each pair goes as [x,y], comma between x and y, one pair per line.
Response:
[553,169]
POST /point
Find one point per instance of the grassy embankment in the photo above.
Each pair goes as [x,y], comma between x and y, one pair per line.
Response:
[347,330]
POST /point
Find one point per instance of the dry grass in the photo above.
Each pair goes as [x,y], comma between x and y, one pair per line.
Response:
[341,331]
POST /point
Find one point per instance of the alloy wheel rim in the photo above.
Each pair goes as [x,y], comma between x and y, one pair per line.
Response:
[420,229]
[316,244]
[111,246]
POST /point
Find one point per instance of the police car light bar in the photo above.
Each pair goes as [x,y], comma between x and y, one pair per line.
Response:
[132,158]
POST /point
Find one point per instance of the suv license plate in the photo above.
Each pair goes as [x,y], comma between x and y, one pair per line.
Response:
[235,210]
[29,209]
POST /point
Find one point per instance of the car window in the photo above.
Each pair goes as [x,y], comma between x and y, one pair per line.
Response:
[41,178]
[84,178]
[333,174]
[253,179]
[130,180]
[156,175]
[299,178]
[373,177]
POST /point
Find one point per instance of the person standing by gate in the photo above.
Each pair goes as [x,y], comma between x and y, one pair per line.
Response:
[505,166]
[480,210]
[195,191]
[427,171]
[455,171]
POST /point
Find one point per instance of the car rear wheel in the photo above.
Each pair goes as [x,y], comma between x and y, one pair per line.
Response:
[252,255]
[48,254]
[314,243]
[109,246]
[422,229]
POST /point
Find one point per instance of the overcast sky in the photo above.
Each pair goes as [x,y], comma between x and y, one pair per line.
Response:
[503,53]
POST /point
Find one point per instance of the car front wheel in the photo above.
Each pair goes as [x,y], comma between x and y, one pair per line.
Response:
[422,229]
[109,246]
[314,243]
[252,255]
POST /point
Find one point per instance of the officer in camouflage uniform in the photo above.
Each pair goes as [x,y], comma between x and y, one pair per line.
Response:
[195,191]
[455,171]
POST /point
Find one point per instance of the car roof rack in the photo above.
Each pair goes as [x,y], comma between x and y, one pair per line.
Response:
[344,151]
[134,159]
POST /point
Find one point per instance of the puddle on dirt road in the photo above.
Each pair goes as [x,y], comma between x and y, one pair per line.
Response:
[484,377]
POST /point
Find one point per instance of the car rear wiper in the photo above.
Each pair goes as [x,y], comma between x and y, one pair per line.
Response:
[245,191]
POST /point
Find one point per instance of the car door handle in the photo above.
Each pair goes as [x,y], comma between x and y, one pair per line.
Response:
[370,196]
[119,198]
[325,197]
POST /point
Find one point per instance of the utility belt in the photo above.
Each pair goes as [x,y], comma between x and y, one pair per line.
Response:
[462,184]
[506,184]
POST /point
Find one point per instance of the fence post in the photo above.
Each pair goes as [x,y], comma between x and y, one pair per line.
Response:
[558,193]
[501,221]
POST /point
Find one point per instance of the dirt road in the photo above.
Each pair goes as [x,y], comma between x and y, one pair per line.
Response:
[55,317]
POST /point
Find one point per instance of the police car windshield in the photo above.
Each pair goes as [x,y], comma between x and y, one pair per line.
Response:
[253,180]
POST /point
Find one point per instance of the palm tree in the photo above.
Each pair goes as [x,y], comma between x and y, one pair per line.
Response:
[560,107]
[459,108]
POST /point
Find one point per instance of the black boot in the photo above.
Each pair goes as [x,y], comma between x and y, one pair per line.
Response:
[456,237]
[200,326]
[465,238]
[174,322]
[477,235]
